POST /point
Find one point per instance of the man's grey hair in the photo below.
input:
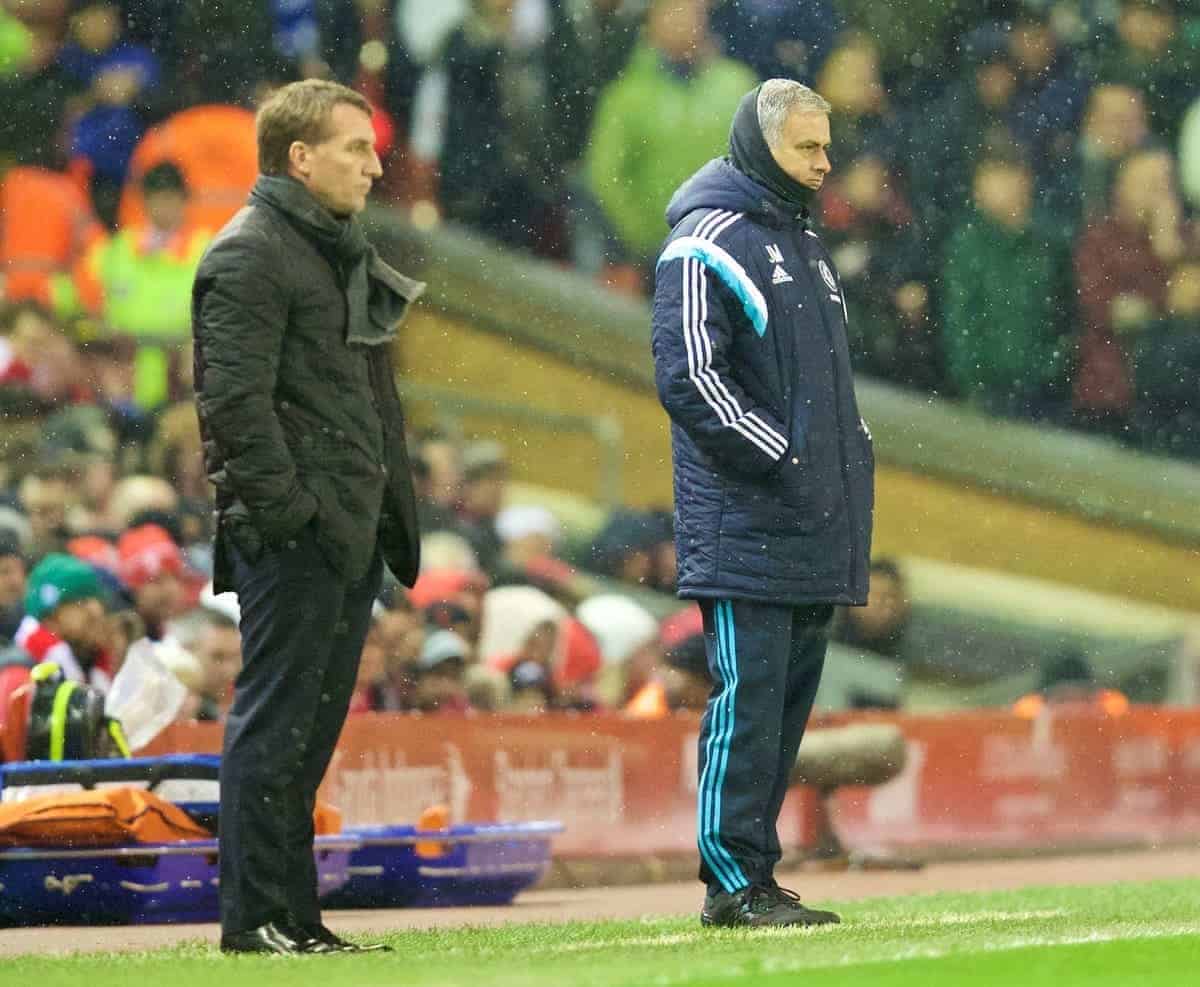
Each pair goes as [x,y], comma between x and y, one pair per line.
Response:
[779,97]
[189,628]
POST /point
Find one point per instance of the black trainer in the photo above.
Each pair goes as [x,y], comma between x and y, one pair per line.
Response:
[761,905]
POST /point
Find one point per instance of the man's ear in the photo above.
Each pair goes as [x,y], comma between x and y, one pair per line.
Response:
[298,157]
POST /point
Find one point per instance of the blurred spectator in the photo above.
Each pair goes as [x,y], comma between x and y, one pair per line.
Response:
[485,481]
[115,75]
[399,630]
[1168,366]
[79,441]
[880,626]
[1003,314]
[46,497]
[852,81]
[216,51]
[441,674]
[447,550]
[866,668]
[575,665]
[629,643]
[36,92]
[137,494]
[778,39]
[665,116]
[682,681]
[152,566]
[48,225]
[519,624]
[12,584]
[437,475]
[1121,265]
[1151,53]
[451,599]
[16,43]
[590,44]
[216,150]
[530,535]
[176,452]
[64,623]
[484,115]
[1115,125]
[1050,92]
[213,639]
[973,115]
[870,229]
[629,546]
[139,282]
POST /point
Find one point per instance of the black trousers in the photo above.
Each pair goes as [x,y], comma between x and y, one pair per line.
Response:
[766,663]
[303,628]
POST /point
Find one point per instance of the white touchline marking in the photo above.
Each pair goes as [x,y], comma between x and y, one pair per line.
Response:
[959,918]
[781,965]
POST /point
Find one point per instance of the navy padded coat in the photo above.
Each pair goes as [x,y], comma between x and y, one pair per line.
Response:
[773,465]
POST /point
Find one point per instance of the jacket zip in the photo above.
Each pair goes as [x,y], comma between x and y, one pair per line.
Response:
[837,410]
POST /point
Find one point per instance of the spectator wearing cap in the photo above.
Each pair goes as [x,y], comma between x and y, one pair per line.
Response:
[485,482]
[64,623]
[12,584]
[626,547]
[441,674]
[452,599]
[152,566]
[531,534]
[629,642]
[139,281]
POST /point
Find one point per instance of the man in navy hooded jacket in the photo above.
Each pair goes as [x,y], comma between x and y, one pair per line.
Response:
[773,473]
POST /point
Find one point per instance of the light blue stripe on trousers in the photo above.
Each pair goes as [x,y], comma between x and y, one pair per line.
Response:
[721,724]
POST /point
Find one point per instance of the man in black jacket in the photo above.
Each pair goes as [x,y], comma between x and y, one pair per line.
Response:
[293,315]
[773,474]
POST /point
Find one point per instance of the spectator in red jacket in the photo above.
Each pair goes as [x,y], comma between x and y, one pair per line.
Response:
[1121,268]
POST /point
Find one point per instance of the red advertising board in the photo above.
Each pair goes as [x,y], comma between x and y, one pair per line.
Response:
[627,787]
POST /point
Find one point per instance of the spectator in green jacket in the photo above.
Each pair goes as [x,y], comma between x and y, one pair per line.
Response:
[139,282]
[664,117]
[1001,310]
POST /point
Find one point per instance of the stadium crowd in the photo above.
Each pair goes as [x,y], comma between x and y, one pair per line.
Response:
[1013,203]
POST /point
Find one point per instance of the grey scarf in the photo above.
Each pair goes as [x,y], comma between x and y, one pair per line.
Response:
[377,295]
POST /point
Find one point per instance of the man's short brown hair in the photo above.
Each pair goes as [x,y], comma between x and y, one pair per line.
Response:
[298,111]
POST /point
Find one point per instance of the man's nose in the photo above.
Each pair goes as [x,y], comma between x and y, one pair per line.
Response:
[374,168]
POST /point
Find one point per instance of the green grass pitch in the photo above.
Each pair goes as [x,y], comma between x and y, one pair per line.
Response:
[1130,934]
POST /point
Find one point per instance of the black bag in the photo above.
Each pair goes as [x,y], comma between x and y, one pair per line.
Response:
[67,720]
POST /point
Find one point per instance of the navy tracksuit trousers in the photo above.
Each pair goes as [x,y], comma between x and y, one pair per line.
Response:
[765,661]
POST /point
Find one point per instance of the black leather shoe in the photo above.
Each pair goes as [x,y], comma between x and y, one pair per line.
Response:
[324,934]
[269,938]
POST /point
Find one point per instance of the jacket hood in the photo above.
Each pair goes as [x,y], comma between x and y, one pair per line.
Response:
[719,185]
